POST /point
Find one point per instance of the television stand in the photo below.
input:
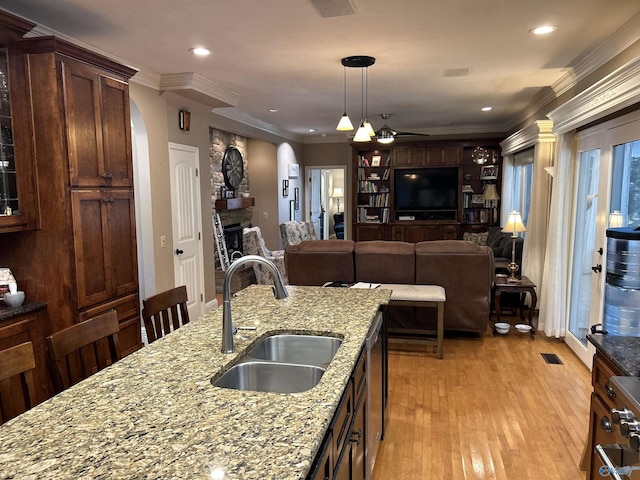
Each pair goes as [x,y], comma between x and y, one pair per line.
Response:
[448,215]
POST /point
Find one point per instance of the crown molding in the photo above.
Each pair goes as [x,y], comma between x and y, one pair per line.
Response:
[246,119]
[541,131]
[618,90]
[582,66]
[198,88]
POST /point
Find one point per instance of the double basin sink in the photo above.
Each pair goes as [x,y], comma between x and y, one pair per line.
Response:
[284,363]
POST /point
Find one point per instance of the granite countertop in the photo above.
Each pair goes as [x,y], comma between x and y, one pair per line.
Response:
[27,307]
[155,414]
[624,352]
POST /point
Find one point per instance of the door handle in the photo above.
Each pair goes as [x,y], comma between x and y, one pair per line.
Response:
[597,268]
[179,252]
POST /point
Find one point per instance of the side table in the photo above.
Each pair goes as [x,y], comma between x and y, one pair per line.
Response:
[521,287]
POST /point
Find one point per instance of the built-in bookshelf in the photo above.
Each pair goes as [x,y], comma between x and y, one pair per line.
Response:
[374,170]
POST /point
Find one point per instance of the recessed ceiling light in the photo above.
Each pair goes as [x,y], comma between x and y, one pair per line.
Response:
[274,110]
[200,51]
[486,109]
[543,29]
[311,130]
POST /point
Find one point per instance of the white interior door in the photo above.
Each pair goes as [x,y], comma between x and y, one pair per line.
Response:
[187,224]
[316,209]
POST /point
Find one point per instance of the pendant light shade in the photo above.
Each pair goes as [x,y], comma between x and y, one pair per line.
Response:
[345,125]
[362,135]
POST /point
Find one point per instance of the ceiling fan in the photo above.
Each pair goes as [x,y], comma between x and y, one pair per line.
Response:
[386,134]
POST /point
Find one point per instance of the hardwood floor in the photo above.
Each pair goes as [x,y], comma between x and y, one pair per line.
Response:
[491,409]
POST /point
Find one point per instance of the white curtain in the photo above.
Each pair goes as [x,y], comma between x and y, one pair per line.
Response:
[533,252]
[553,294]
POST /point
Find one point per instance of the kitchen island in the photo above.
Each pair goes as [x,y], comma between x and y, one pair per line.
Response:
[155,414]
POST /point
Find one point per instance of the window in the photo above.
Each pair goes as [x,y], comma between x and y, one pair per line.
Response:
[625,182]
[522,177]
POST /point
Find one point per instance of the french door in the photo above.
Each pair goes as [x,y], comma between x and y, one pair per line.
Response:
[607,178]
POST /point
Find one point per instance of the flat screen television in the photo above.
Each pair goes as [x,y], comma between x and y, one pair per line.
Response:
[426,189]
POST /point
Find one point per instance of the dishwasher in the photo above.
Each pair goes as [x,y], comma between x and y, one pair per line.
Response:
[376,345]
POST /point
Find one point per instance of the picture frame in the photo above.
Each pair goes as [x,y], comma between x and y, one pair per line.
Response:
[294,170]
[477,199]
[292,210]
[375,160]
[489,172]
[296,198]
[285,188]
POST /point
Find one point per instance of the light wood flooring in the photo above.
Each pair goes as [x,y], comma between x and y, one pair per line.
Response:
[491,409]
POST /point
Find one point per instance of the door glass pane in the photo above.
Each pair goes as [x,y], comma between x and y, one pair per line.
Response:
[625,182]
[8,180]
[584,241]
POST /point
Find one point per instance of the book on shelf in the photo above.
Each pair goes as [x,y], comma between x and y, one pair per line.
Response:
[467,189]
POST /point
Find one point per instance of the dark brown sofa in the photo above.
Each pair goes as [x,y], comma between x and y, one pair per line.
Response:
[464,269]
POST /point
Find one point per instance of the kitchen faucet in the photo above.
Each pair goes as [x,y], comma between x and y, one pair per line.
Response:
[279,291]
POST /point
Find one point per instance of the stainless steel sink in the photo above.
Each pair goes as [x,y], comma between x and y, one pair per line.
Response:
[270,377]
[299,349]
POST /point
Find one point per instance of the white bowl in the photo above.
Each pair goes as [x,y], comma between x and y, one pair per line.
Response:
[502,328]
[523,328]
[14,299]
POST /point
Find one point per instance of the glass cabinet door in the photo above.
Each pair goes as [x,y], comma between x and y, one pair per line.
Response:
[8,180]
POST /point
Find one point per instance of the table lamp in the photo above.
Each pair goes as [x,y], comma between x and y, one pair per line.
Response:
[337,194]
[513,226]
[491,194]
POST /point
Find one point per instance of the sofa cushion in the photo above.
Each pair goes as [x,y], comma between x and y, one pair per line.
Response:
[319,261]
[385,262]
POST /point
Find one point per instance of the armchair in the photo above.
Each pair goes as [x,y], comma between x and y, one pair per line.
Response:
[293,232]
[253,244]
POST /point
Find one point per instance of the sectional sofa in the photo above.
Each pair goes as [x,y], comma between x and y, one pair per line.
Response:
[463,268]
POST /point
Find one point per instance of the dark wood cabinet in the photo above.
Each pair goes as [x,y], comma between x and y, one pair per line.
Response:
[394,223]
[602,401]
[83,259]
[19,203]
[98,127]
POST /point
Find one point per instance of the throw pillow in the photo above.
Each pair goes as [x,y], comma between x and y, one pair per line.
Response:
[477,238]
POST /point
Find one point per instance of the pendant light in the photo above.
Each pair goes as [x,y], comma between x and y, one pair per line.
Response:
[345,125]
[367,125]
[365,131]
[362,134]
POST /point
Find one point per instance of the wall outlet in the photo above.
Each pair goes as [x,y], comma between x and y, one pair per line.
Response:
[163,241]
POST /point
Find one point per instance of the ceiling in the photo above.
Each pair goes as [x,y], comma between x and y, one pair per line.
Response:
[282,54]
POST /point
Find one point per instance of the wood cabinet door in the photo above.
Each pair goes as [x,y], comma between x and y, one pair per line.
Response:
[105,245]
[368,232]
[116,132]
[91,241]
[84,132]
[122,254]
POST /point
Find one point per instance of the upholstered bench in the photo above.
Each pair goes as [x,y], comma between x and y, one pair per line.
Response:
[428,296]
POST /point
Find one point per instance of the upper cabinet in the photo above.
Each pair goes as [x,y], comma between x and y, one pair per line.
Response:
[98,127]
[19,207]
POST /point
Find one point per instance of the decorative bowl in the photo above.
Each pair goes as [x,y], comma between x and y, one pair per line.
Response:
[523,328]
[14,299]
[502,328]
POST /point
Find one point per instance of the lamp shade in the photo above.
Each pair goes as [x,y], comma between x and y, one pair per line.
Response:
[337,192]
[490,193]
[344,125]
[362,135]
[514,223]
[615,219]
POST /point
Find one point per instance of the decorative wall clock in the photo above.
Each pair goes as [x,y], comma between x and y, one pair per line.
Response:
[232,167]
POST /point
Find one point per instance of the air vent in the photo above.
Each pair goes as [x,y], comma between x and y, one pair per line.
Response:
[551,358]
[457,72]
[334,8]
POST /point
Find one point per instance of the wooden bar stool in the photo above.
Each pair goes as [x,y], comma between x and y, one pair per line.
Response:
[81,350]
[165,312]
[17,388]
